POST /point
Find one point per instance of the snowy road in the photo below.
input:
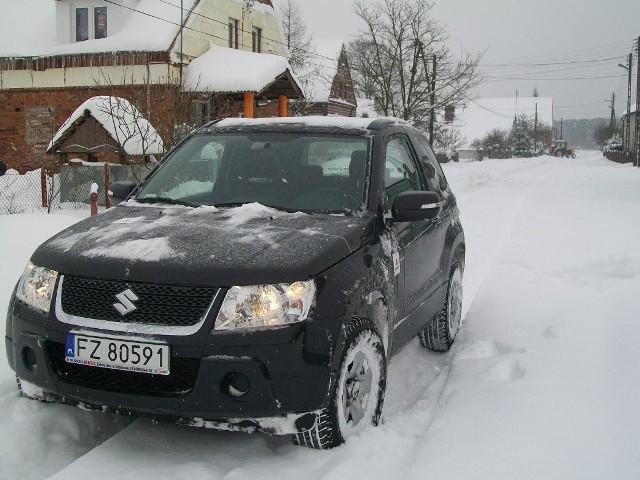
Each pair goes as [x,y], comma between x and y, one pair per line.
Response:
[542,383]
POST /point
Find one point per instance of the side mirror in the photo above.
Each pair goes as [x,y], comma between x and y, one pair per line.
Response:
[413,206]
[118,191]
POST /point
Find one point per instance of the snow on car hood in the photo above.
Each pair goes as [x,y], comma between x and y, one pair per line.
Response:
[251,244]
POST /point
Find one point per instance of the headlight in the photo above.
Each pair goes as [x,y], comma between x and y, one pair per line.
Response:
[265,305]
[35,287]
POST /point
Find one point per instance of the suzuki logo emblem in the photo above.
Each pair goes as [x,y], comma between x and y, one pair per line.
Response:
[126,302]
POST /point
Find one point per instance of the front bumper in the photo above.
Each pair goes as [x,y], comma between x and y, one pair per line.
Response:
[288,370]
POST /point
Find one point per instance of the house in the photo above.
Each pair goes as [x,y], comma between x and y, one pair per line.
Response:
[139,50]
[478,117]
[327,82]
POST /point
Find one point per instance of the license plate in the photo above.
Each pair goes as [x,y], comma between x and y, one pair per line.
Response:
[118,354]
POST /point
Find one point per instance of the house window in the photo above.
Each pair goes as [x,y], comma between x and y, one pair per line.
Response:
[233,32]
[256,39]
[100,22]
[82,24]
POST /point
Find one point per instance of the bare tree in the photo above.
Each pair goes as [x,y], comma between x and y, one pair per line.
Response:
[132,130]
[296,36]
[401,61]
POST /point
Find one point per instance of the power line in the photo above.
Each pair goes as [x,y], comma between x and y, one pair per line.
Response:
[575,53]
[555,79]
[505,65]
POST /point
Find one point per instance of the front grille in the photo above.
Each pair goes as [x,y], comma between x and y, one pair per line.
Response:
[157,304]
[179,382]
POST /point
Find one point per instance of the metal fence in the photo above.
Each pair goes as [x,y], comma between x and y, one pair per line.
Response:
[67,190]
[20,193]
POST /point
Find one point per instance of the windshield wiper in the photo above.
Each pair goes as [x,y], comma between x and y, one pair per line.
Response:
[170,201]
[229,204]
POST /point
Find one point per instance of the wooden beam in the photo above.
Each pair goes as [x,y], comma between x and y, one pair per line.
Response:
[283,110]
[249,98]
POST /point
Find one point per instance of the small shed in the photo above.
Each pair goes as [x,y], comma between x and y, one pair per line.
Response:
[106,125]
[249,76]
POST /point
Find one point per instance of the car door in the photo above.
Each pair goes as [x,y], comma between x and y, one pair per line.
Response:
[418,240]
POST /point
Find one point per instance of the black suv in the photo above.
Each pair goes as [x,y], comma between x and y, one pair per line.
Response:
[259,279]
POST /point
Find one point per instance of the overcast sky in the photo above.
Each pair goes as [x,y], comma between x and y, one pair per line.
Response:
[581,39]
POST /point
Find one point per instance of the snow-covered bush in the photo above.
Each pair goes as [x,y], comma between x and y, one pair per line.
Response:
[613,144]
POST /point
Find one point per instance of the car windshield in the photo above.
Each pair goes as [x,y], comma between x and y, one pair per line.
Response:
[290,171]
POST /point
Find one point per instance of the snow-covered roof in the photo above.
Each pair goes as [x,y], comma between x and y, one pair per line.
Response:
[121,120]
[310,121]
[150,26]
[318,77]
[228,70]
[481,116]
[27,27]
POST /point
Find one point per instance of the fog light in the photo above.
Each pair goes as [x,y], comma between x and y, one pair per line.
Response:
[29,358]
[235,385]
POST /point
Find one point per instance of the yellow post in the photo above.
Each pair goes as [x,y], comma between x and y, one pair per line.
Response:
[248,104]
[283,110]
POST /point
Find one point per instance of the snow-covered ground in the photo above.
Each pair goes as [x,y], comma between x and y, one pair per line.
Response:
[542,383]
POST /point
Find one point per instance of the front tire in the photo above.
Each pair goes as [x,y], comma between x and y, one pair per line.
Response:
[357,397]
[441,331]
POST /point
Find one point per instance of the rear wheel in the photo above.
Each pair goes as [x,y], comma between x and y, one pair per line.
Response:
[440,332]
[559,153]
[358,395]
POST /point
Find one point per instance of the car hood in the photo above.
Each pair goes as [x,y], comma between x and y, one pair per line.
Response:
[250,244]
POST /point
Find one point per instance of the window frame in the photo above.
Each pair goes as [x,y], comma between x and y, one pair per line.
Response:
[234,27]
[91,9]
[98,10]
[256,40]
[75,16]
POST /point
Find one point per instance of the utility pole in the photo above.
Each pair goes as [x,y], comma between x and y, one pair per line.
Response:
[612,119]
[627,134]
[561,128]
[432,86]
[535,131]
[432,121]
[181,28]
[637,114]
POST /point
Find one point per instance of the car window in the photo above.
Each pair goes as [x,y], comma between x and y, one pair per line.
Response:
[293,171]
[430,165]
[401,173]
[334,157]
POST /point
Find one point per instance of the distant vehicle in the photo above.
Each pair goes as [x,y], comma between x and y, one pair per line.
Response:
[259,279]
[560,148]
